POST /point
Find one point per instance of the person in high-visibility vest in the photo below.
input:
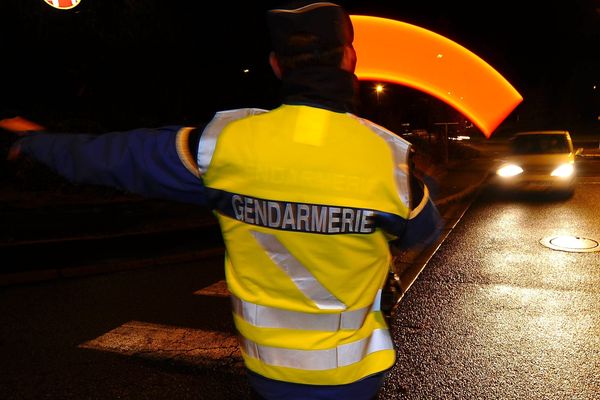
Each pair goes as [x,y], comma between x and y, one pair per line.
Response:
[308,197]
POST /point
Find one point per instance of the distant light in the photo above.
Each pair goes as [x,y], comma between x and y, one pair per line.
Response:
[460,138]
[594,87]
[379,88]
[63,4]
[246,70]
[440,55]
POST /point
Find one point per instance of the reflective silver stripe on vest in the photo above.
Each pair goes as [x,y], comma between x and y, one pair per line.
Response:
[270,317]
[318,360]
[302,278]
[377,303]
[208,139]
[400,150]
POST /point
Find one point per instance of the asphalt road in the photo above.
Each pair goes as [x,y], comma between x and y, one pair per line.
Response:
[496,315]
[493,315]
[137,334]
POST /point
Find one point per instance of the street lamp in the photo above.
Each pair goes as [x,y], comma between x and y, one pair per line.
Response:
[378,90]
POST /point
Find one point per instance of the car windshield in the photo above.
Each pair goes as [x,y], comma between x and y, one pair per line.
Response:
[539,144]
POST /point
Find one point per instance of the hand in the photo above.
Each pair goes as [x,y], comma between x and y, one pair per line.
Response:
[18,127]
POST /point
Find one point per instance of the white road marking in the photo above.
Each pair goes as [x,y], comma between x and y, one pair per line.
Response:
[164,342]
[218,289]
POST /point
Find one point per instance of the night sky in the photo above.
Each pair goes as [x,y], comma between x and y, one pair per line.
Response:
[121,64]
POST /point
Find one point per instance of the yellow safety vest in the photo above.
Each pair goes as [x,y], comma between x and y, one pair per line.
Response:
[296,190]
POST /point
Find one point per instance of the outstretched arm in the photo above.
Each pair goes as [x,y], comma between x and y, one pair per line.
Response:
[157,163]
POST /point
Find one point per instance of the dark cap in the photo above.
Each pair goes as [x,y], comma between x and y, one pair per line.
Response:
[308,28]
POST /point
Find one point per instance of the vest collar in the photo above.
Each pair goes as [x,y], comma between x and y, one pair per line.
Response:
[324,87]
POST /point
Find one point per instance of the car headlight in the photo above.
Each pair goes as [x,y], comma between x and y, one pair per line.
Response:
[564,171]
[509,170]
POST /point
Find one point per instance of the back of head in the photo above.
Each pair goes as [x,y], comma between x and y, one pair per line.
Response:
[309,34]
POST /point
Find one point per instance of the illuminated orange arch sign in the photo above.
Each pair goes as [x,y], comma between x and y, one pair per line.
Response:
[406,54]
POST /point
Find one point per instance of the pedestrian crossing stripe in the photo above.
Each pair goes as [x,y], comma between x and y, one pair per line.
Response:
[197,347]
[218,289]
[164,342]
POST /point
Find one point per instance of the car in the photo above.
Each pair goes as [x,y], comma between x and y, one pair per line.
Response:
[539,161]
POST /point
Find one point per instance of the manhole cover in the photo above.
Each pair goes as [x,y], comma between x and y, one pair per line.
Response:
[574,244]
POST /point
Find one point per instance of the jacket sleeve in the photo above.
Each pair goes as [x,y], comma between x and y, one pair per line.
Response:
[422,227]
[156,163]
[424,224]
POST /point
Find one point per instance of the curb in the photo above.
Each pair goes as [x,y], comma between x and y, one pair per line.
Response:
[416,263]
[463,193]
[589,155]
